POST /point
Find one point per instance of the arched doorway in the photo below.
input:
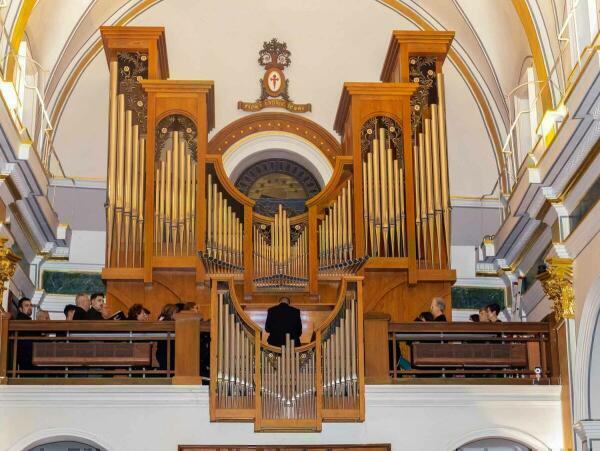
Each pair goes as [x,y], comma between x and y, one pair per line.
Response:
[494,444]
[64,446]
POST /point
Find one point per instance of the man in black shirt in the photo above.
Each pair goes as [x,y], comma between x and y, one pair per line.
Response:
[95,311]
[25,309]
[283,319]
[438,305]
[82,305]
[493,310]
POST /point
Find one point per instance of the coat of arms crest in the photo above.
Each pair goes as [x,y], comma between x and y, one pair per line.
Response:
[274,57]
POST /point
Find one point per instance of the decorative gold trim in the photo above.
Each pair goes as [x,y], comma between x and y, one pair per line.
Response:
[522,10]
[17,34]
[557,282]
[8,264]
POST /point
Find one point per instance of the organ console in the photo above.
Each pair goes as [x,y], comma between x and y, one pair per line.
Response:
[377,233]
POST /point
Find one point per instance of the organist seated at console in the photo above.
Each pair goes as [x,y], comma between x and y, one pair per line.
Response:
[283,319]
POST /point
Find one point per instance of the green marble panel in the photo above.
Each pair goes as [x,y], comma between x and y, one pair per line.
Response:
[59,282]
[476,297]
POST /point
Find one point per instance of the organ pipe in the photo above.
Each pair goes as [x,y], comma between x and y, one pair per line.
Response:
[280,260]
[383,196]
[224,231]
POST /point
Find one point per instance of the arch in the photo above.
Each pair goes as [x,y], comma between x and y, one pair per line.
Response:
[498,432]
[61,434]
[583,354]
[303,128]
[276,144]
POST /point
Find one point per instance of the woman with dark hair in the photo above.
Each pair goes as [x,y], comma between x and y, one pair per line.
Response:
[167,312]
[137,312]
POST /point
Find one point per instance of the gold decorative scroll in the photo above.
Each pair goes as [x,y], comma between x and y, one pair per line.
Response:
[275,103]
[557,282]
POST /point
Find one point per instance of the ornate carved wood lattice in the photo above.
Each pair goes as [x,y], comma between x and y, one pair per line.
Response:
[369,129]
[133,67]
[179,123]
[422,70]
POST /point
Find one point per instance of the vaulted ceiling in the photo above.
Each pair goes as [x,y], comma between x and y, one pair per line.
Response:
[331,42]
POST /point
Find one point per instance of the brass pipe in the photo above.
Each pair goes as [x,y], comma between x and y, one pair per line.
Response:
[182,195]
[219,228]
[209,213]
[141,199]
[163,205]
[120,173]
[127,181]
[437,194]
[112,158]
[344,212]
[429,175]
[175,191]
[134,192]
[398,205]
[371,203]
[384,191]
[402,207]
[214,218]
[365,206]
[377,184]
[168,200]
[423,190]
[417,200]
[444,162]
[187,194]
[193,207]
[156,209]
[392,199]
[350,219]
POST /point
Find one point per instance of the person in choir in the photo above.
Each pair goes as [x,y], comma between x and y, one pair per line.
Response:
[95,311]
[493,310]
[483,315]
[283,319]
[69,311]
[424,317]
[474,318]
[24,309]
[42,315]
[438,305]
[190,306]
[82,305]
[137,312]
[167,312]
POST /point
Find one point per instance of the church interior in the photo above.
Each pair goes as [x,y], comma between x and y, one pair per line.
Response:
[269,225]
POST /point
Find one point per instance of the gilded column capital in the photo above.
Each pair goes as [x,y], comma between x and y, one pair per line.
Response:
[557,282]
[8,264]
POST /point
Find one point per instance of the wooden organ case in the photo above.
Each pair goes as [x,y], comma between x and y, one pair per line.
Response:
[376,239]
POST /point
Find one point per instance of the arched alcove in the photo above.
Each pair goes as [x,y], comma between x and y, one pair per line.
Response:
[276,145]
[494,444]
[56,438]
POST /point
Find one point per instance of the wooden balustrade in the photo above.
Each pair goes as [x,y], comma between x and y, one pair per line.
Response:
[507,353]
[103,352]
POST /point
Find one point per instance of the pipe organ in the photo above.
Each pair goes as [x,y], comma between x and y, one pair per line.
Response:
[287,388]
[179,230]
[280,252]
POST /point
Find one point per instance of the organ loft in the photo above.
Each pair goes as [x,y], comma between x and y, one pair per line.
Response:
[374,239]
[318,226]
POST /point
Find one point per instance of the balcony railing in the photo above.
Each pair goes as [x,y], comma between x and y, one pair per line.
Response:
[104,352]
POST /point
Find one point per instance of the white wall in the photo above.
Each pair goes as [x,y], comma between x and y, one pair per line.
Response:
[122,418]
